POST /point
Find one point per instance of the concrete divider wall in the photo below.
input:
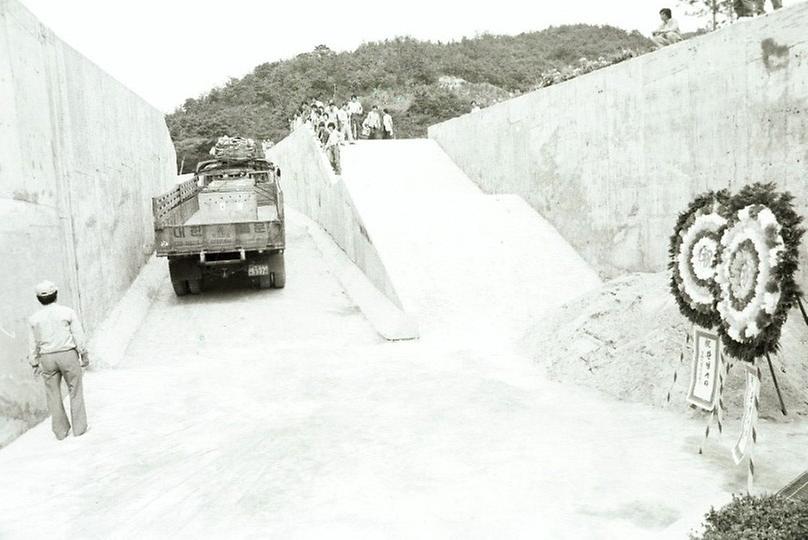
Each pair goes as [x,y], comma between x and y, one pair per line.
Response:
[80,158]
[310,186]
[611,157]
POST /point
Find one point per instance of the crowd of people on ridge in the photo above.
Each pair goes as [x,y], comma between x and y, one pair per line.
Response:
[334,125]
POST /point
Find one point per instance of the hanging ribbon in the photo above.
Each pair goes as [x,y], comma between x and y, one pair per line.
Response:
[682,350]
[717,412]
[748,436]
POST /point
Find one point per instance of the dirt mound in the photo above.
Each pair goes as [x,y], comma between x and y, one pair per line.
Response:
[625,340]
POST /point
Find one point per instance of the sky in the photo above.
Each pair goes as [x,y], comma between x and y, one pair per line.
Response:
[169,50]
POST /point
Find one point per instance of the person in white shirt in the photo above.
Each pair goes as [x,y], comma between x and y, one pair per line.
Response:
[57,349]
[474,107]
[332,147]
[356,111]
[374,123]
[387,125]
[344,123]
[668,31]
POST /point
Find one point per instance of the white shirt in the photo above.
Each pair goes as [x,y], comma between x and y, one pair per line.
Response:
[355,107]
[333,139]
[54,328]
[668,26]
[374,120]
[388,123]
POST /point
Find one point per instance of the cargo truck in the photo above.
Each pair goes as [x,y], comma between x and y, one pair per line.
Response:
[227,220]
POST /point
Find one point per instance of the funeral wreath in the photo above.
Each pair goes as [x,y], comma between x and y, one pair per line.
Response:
[692,256]
[756,261]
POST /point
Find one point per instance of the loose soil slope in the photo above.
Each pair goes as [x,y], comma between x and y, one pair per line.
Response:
[625,340]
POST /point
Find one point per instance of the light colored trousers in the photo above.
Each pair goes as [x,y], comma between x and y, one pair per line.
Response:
[666,39]
[750,8]
[55,366]
[356,125]
[346,131]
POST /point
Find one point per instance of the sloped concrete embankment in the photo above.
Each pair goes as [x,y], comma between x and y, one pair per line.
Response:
[469,266]
[310,186]
[611,157]
[80,158]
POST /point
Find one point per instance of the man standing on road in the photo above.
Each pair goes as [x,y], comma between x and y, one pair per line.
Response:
[374,123]
[356,111]
[58,350]
[387,125]
[344,123]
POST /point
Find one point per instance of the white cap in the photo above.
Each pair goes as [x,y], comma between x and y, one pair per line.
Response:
[45,288]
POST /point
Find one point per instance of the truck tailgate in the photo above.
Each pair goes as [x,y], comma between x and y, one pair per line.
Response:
[218,237]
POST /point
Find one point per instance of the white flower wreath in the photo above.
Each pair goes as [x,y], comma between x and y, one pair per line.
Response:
[749,293]
[696,259]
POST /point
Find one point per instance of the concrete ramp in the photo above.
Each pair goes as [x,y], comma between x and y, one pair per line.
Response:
[465,264]
[310,186]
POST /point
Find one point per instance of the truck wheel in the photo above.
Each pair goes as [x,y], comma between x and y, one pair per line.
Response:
[279,279]
[264,282]
[195,286]
[278,271]
[180,287]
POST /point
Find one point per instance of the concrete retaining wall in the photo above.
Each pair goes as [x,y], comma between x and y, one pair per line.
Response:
[80,157]
[310,186]
[611,157]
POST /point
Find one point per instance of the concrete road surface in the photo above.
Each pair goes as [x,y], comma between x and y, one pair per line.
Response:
[281,414]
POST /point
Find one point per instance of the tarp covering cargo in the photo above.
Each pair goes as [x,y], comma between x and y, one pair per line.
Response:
[236,149]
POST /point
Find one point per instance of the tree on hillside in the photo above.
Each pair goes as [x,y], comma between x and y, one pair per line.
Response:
[402,74]
[717,12]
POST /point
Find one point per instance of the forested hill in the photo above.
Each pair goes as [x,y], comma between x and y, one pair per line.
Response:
[421,82]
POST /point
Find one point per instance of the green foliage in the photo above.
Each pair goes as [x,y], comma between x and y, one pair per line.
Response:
[757,518]
[429,105]
[714,13]
[401,70]
[584,66]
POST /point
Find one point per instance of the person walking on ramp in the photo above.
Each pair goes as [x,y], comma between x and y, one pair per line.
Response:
[332,148]
[58,350]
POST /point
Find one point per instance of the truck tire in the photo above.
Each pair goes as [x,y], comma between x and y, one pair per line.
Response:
[195,286]
[180,287]
[278,270]
[279,279]
[264,282]
[182,271]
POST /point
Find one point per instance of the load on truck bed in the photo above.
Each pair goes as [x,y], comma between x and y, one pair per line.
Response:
[228,219]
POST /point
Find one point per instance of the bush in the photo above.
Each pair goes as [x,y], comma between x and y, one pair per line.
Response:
[260,104]
[769,517]
[584,66]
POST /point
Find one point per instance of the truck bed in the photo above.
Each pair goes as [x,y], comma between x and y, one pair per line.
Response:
[181,228]
[201,217]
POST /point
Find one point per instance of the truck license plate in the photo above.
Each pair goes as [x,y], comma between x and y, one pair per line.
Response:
[258,270]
